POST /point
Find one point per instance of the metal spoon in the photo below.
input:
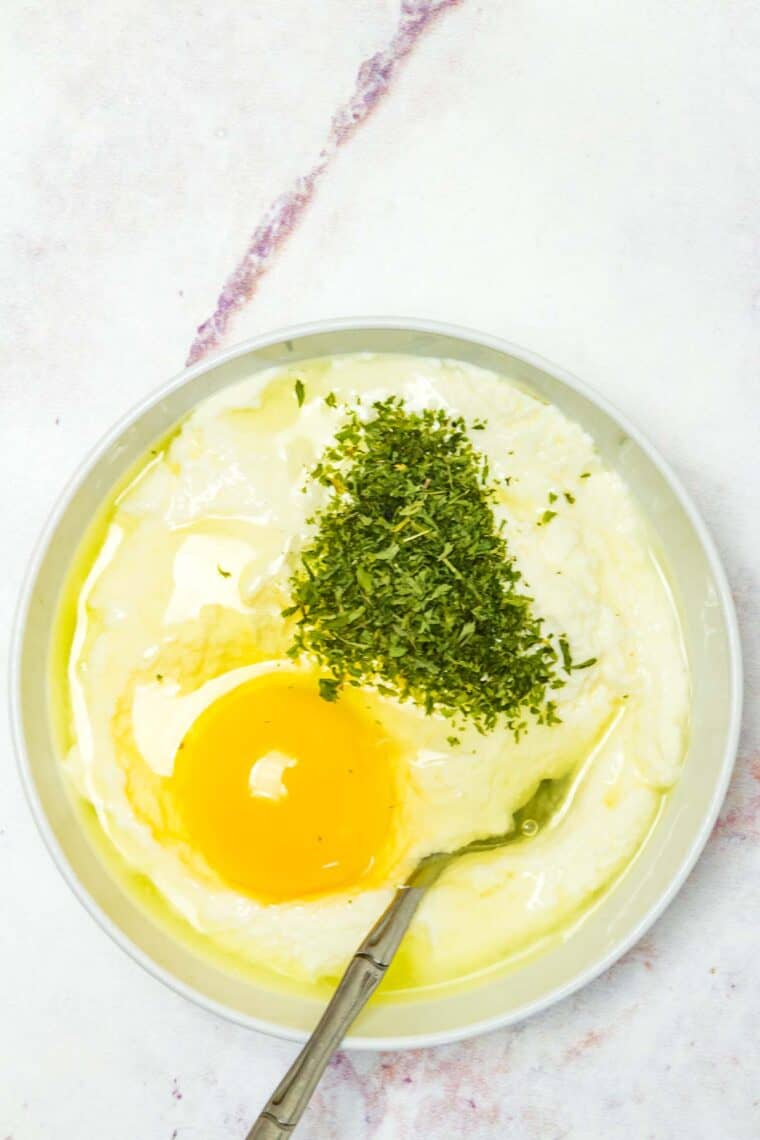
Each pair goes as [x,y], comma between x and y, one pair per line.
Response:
[362,977]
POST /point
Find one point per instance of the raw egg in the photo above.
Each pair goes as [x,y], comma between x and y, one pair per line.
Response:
[284,794]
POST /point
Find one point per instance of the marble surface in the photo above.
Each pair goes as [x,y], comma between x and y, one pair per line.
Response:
[580,178]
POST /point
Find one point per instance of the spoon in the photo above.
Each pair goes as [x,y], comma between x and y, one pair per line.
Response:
[363,975]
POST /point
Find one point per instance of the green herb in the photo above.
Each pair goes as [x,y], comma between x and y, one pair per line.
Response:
[328,688]
[570,498]
[453,741]
[547,517]
[552,497]
[224,573]
[364,578]
[585,475]
[330,400]
[159,676]
[407,582]
[300,392]
[567,660]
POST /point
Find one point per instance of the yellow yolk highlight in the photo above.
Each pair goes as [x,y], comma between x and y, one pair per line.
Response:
[285,795]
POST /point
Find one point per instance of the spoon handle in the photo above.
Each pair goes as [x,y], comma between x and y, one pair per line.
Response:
[364,973]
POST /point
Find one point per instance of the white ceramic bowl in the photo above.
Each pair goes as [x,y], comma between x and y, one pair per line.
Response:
[625,912]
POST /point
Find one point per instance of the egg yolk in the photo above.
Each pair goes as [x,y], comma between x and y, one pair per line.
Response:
[284,794]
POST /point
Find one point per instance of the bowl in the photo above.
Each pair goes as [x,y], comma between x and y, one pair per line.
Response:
[625,911]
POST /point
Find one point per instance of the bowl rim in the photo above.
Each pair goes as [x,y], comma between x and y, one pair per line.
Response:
[357,324]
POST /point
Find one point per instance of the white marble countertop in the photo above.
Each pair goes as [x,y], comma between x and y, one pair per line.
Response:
[583,179]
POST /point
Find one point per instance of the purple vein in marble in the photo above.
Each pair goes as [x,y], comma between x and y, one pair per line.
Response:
[372,81]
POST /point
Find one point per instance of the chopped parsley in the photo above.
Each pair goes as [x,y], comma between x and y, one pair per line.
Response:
[407,582]
[552,497]
[567,660]
[570,498]
[331,400]
[328,688]
[547,517]
[300,392]
[224,573]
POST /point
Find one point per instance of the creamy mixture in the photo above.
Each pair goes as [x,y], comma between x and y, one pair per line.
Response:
[180,614]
